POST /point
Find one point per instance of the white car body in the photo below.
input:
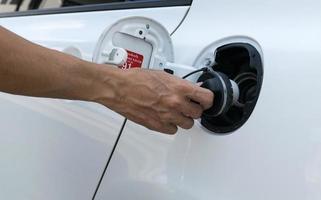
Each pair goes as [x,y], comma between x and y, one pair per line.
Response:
[61,149]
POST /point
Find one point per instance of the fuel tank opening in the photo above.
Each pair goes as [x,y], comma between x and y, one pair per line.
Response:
[241,63]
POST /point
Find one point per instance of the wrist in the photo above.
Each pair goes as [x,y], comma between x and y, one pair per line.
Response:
[105,81]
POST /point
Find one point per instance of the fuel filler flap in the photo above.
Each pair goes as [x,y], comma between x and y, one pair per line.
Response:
[147,44]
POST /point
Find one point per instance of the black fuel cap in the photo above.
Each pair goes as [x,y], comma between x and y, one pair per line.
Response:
[221,86]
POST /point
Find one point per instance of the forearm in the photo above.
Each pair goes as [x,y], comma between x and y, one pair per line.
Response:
[29,69]
[154,99]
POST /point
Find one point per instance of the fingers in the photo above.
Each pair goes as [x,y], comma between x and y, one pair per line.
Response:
[167,128]
[163,103]
[172,120]
[177,119]
[191,109]
[201,95]
[183,121]
[204,96]
[154,123]
[170,129]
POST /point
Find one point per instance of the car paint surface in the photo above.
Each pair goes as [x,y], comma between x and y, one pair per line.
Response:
[57,149]
[276,154]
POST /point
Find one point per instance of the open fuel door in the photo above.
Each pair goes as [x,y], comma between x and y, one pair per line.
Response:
[151,166]
[147,44]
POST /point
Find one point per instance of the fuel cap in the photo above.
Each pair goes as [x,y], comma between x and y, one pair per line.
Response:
[222,88]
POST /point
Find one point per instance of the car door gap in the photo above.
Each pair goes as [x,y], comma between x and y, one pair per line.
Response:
[109,159]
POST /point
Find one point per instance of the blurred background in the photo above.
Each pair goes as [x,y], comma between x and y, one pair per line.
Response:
[23,5]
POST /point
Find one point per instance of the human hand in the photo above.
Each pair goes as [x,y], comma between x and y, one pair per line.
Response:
[158,100]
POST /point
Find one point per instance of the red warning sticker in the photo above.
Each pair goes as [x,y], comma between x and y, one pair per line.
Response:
[134,60]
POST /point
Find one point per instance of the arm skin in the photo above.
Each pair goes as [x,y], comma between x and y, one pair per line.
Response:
[154,99]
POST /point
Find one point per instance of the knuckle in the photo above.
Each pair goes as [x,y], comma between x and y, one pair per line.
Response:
[198,113]
[174,102]
[195,91]
[182,86]
[165,117]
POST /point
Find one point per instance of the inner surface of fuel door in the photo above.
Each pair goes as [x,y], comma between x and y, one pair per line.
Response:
[147,44]
[242,63]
